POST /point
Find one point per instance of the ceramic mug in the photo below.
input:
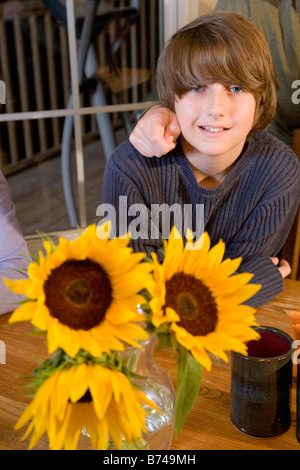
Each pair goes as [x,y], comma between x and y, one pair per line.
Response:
[261,384]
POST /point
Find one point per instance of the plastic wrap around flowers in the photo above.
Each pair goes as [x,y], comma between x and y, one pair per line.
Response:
[83,294]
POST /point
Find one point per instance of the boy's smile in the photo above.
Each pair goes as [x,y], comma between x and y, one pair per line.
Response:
[215,120]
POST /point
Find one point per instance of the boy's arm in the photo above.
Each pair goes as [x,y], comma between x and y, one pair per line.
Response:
[266,273]
[265,229]
[156,132]
[258,243]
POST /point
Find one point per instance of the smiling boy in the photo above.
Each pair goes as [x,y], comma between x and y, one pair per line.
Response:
[216,74]
[215,120]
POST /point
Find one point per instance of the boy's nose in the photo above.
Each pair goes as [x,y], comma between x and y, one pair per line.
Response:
[217,103]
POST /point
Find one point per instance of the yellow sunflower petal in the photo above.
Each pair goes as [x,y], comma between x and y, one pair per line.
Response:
[237,313]
[98,433]
[23,313]
[57,428]
[74,429]
[130,334]
[202,357]
[175,244]
[19,286]
[234,283]
[102,395]
[201,247]
[79,381]
[222,272]
[215,255]
[242,294]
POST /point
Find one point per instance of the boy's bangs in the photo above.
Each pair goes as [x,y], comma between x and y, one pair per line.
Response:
[213,62]
[212,65]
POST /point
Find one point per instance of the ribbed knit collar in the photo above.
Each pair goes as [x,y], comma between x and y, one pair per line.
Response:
[243,163]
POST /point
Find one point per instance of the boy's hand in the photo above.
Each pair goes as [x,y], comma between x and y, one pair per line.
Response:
[156,132]
[283,267]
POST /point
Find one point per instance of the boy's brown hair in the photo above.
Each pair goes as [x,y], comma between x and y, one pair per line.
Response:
[219,47]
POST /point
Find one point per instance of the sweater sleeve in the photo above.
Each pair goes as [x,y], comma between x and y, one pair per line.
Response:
[264,234]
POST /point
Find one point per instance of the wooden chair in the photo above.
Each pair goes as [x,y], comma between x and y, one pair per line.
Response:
[120,80]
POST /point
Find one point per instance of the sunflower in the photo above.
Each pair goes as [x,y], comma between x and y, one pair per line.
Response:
[85,292]
[88,396]
[198,298]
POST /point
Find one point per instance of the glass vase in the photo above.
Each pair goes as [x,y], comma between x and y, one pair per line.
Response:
[157,386]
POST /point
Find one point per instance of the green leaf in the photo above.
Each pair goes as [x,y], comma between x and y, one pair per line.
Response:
[189,376]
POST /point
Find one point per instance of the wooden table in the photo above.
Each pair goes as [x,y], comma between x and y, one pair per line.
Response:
[208,425]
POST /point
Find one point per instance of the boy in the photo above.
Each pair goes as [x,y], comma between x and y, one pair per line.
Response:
[216,74]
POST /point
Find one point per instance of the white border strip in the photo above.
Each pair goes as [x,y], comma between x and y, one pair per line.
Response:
[178,13]
[170,18]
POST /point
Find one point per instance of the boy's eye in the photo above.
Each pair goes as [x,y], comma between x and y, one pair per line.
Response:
[198,88]
[236,89]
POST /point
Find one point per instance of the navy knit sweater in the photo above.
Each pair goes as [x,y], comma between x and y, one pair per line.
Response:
[251,211]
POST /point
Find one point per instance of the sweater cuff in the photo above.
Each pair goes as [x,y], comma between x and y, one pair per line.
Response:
[266,274]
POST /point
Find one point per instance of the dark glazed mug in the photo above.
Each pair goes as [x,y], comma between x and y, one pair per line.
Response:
[261,384]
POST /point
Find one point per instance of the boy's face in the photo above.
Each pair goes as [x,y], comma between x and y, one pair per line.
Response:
[215,120]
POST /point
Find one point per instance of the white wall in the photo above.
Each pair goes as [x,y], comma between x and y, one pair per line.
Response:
[177,13]
[205,6]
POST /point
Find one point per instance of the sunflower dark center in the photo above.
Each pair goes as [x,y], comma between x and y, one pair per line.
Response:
[193,302]
[78,294]
[78,291]
[187,305]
